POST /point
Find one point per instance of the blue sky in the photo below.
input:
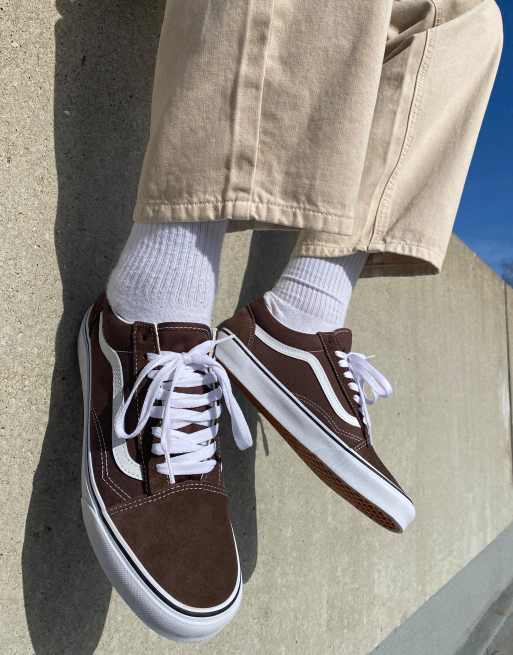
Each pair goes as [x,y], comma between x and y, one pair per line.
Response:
[485,218]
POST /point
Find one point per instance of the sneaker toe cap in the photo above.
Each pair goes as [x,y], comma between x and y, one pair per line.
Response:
[184,541]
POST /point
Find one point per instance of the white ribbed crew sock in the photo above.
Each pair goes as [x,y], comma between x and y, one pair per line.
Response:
[313,293]
[168,272]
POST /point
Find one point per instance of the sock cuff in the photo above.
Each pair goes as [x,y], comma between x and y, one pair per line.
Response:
[313,293]
[168,272]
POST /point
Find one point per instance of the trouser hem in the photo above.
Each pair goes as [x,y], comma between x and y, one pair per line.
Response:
[245,214]
[390,258]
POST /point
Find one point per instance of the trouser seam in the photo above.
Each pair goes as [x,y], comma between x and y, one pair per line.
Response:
[384,204]
[260,105]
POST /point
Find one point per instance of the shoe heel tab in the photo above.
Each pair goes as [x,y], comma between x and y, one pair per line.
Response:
[100,304]
[242,323]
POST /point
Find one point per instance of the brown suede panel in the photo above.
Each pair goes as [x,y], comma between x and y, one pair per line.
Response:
[183,537]
[117,333]
[242,324]
[264,318]
[296,375]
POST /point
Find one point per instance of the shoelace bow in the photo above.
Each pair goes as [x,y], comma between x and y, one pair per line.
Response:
[364,375]
[185,453]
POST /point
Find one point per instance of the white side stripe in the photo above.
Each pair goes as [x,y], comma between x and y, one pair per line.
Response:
[119,446]
[319,372]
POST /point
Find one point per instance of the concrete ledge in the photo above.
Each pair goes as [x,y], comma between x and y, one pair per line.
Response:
[494,632]
[465,615]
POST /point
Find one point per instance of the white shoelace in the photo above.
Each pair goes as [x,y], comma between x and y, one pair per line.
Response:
[185,453]
[364,374]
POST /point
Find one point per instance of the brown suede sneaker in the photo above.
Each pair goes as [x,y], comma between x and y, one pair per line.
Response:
[311,388]
[153,499]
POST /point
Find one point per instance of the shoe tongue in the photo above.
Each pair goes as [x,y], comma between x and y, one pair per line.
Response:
[344,339]
[181,337]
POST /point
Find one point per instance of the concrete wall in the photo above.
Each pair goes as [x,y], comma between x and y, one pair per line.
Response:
[76,84]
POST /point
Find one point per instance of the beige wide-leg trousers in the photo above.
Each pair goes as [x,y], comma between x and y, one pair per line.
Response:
[353,121]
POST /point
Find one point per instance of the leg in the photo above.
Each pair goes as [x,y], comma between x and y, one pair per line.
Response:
[284,110]
[262,112]
[439,67]
[153,499]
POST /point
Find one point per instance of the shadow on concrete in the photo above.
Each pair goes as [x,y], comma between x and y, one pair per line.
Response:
[269,252]
[105,52]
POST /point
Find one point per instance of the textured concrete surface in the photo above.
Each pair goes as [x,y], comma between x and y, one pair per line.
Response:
[76,85]
[463,617]
[493,634]
[502,644]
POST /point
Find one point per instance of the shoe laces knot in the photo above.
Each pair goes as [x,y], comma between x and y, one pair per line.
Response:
[185,453]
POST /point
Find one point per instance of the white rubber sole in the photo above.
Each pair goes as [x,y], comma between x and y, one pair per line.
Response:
[158,610]
[298,421]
